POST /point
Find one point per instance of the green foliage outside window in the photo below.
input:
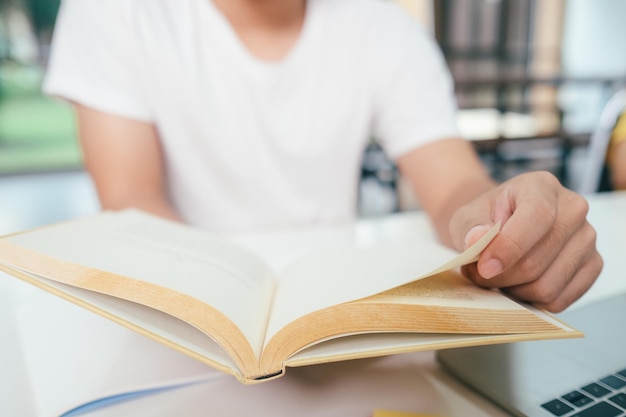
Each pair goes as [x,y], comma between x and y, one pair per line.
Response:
[37,133]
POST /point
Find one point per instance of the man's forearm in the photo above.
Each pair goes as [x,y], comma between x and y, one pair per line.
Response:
[154,205]
[461,195]
[445,175]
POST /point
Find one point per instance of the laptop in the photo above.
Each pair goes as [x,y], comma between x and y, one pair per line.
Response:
[564,378]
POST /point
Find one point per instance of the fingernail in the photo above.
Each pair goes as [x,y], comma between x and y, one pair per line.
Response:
[490,268]
[475,233]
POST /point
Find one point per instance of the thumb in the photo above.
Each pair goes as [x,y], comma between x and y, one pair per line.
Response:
[488,267]
[471,221]
[475,233]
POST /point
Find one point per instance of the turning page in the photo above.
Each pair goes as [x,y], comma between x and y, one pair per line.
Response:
[340,274]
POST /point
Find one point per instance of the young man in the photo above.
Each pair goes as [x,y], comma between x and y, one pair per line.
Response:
[232,114]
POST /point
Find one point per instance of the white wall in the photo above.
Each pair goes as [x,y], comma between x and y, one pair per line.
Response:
[595,37]
[594,44]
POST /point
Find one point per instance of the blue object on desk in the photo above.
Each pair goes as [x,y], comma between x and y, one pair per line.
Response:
[114,399]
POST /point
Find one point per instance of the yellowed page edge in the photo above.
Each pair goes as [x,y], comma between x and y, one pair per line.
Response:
[132,326]
[445,342]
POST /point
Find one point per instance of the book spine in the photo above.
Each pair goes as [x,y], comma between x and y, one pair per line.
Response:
[269,376]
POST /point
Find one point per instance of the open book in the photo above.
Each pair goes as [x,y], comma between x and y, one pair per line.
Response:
[222,304]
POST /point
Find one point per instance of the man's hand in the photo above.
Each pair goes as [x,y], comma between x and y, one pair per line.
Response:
[546,250]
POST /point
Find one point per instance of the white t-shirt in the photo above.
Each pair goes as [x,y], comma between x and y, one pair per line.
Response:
[252,143]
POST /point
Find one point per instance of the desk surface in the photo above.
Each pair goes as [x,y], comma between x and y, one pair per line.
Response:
[410,382]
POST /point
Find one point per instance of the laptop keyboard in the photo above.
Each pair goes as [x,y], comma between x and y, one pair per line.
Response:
[603,398]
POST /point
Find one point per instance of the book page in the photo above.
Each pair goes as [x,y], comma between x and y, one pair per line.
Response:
[377,344]
[343,273]
[166,254]
[171,331]
[446,289]
[74,357]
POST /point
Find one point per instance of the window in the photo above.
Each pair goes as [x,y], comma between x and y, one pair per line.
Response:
[37,133]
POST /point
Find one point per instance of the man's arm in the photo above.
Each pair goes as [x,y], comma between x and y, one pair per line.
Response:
[545,252]
[445,174]
[125,160]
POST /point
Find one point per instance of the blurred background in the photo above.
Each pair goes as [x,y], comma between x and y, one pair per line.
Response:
[36,133]
[531,78]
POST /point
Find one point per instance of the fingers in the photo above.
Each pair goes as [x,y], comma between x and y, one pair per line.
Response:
[534,236]
[569,276]
[535,212]
[547,294]
[520,237]
[545,252]
[566,277]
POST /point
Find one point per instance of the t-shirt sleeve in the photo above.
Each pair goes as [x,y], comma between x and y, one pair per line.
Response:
[95,60]
[415,102]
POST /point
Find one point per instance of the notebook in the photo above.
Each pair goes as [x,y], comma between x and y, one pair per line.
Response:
[566,378]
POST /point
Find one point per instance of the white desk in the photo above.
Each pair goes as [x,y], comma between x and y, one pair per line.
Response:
[411,382]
